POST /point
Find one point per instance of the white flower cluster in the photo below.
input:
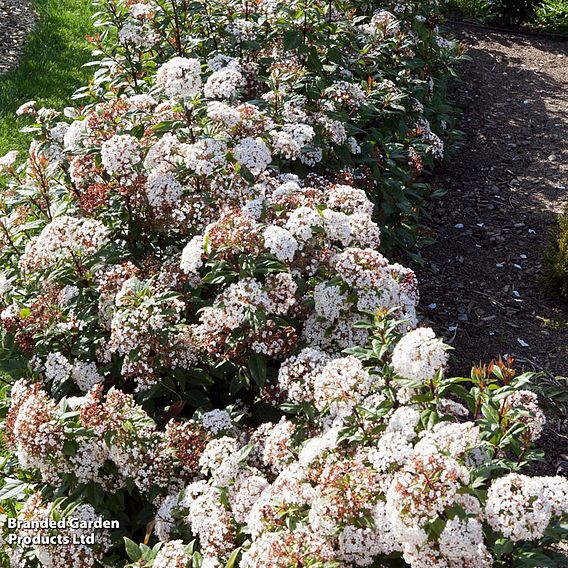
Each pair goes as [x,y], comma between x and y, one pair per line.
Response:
[224,83]
[172,555]
[341,385]
[419,355]
[217,421]
[521,507]
[180,77]
[163,192]
[120,154]
[253,153]
[292,139]
[86,375]
[522,406]
[135,32]
[64,238]
[280,242]
[205,156]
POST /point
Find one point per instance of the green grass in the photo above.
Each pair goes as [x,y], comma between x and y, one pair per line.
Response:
[51,67]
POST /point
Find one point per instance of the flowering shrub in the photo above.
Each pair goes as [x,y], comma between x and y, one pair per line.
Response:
[204,341]
[327,85]
[368,461]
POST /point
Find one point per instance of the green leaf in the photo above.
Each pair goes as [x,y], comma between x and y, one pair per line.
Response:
[138,131]
[244,452]
[132,549]
[70,448]
[14,488]
[537,559]
[503,546]
[257,368]
[196,560]
[233,558]
[292,40]
[490,413]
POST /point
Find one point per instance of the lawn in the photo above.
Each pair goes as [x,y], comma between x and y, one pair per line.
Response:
[51,66]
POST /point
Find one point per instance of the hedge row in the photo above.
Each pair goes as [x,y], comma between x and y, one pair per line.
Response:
[205,343]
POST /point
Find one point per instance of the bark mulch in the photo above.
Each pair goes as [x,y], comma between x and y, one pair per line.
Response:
[481,283]
[17,18]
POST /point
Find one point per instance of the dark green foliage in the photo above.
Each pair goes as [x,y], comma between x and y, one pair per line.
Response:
[549,16]
[556,260]
[552,16]
[512,12]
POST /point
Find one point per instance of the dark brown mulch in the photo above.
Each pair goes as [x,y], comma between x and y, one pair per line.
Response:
[17,18]
[504,185]
[481,283]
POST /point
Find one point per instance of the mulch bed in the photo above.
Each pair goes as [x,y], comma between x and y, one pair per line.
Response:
[481,283]
[17,18]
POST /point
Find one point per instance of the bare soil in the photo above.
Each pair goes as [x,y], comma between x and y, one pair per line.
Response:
[481,282]
[17,18]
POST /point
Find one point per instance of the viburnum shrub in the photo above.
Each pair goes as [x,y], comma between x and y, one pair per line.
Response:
[203,340]
[333,84]
[371,458]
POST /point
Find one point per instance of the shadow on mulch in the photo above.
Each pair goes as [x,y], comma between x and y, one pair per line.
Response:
[505,185]
[481,283]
